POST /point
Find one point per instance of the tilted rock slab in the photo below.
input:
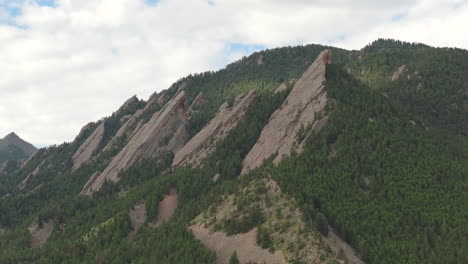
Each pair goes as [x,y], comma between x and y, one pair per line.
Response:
[134,123]
[307,98]
[88,148]
[166,131]
[124,128]
[402,70]
[203,143]
[31,175]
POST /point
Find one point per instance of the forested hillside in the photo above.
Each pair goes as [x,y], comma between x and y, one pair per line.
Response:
[388,172]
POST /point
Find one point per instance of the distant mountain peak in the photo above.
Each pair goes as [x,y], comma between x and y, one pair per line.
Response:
[11,136]
[12,147]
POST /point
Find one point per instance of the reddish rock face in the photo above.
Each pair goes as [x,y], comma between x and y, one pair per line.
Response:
[165,131]
[203,143]
[87,149]
[302,108]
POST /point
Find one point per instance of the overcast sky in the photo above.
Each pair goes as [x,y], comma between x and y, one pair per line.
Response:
[65,63]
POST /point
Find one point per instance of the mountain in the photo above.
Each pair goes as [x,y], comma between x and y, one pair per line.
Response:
[12,147]
[307,154]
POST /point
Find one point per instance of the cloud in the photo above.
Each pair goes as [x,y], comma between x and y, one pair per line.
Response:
[67,62]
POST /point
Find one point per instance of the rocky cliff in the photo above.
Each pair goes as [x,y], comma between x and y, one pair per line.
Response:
[164,132]
[301,109]
[204,142]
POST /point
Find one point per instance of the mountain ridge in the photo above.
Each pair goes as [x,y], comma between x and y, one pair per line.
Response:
[381,172]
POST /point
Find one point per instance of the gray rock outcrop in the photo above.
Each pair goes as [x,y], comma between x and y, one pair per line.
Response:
[301,108]
[402,70]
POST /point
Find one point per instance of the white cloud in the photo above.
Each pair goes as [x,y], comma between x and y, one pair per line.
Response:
[66,65]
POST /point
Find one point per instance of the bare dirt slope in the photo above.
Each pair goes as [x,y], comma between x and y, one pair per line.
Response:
[166,208]
[137,218]
[202,144]
[39,235]
[244,244]
[302,108]
[165,131]
[338,244]
[283,222]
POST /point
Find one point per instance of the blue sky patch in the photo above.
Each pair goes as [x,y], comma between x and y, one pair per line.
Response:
[211,3]
[244,48]
[151,2]
[398,17]
[336,39]
[13,7]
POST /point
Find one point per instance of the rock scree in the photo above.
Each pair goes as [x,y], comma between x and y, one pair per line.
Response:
[203,143]
[307,99]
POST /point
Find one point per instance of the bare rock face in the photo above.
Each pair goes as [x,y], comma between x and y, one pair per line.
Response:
[281,88]
[86,127]
[402,70]
[166,131]
[40,234]
[197,102]
[133,122]
[31,175]
[128,103]
[129,123]
[10,166]
[307,99]
[88,148]
[137,218]
[203,143]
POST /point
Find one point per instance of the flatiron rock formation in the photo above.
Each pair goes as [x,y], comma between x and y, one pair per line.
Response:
[90,145]
[203,143]
[402,70]
[165,131]
[307,98]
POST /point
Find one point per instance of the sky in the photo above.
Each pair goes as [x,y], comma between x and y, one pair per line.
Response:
[64,63]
